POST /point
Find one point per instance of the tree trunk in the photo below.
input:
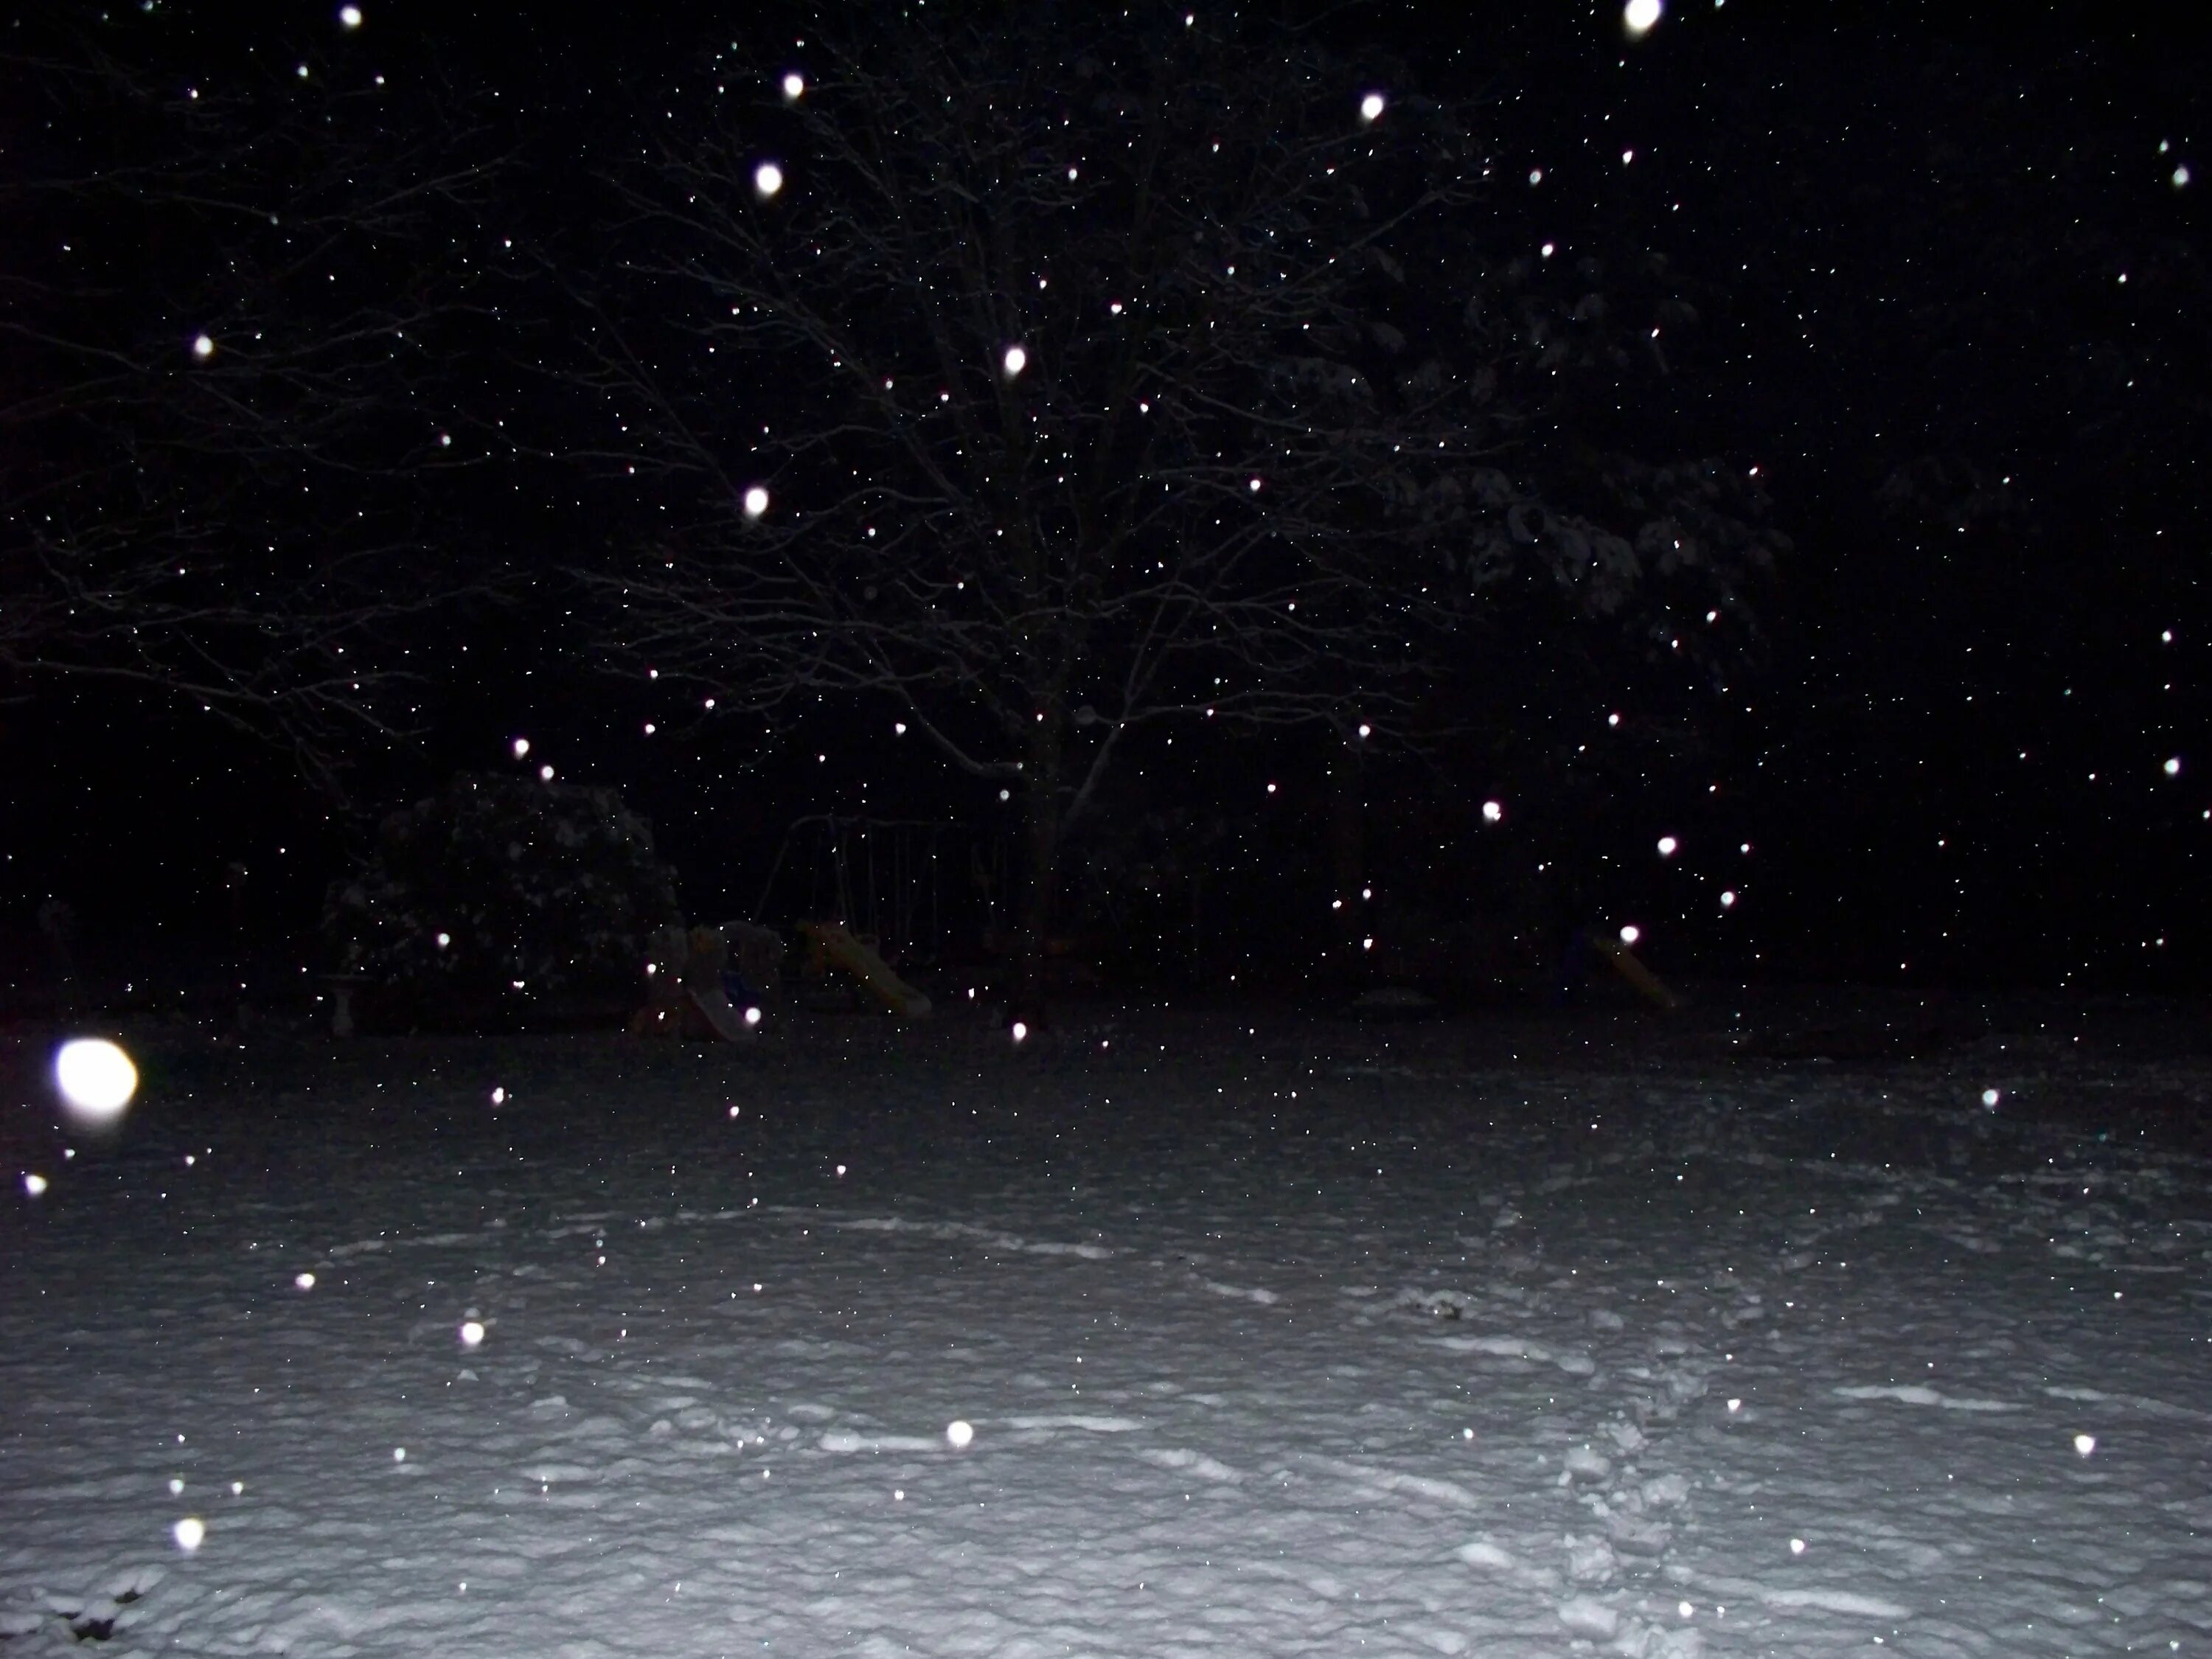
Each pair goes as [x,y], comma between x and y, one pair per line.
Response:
[1041,825]
[1347,847]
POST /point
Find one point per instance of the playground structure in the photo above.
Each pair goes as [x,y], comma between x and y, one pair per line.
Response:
[869,897]
[832,945]
[1624,961]
[688,974]
[860,894]
[908,887]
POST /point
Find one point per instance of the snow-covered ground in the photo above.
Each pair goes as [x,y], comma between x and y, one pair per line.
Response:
[1276,1337]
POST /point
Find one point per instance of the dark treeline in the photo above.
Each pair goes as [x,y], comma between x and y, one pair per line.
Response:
[1943,288]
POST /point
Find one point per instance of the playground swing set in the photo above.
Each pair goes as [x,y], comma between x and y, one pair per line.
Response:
[863,897]
[874,895]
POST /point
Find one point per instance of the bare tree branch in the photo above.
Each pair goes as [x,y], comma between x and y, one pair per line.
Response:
[1058,380]
[222,382]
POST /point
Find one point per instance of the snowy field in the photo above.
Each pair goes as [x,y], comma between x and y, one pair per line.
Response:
[1276,1337]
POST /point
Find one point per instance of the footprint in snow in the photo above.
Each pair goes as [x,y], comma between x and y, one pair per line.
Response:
[1190,1462]
[1240,1293]
[1591,1560]
[1571,1361]
[94,1618]
[1586,1465]
[1587,1616]
[1635,1534]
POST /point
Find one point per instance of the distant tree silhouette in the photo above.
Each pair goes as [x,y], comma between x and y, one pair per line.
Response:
[222,300]
[1034,382]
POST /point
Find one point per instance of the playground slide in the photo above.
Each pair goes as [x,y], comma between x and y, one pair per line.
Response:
[688,980]
[1637,973]
[835,944]
[712,1005]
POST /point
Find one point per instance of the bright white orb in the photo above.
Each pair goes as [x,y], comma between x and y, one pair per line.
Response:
[203,348]
[34,1183]
[2084,1444]
[471,1332]
[350,16]
[1631,933]
[1021,1032]
[2181,177]
[752,1016]
[756,501]
[1371,106]
[768,178]
[1015,361]
[1728,899]
[1669,847]
[1256,486]
[303,1281]
[189,1533]
[1493,811]
[96,1078]
[545,772]
[1989,1098]
[2173,767]
[795,86]
[1640,14]
[1796,1547]
[521,747]
[958,1435]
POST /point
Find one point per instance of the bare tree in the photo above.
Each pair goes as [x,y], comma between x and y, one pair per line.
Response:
[222,317]
[1035,382]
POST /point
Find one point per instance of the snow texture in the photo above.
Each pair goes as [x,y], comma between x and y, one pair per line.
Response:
[1276,1339]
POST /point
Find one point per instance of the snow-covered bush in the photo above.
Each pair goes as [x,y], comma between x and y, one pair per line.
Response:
[501,900]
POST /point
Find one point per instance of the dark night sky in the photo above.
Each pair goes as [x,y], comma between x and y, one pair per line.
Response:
[1952,301]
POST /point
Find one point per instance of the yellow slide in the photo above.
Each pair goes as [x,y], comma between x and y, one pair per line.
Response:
[1635,973]
[834,943]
